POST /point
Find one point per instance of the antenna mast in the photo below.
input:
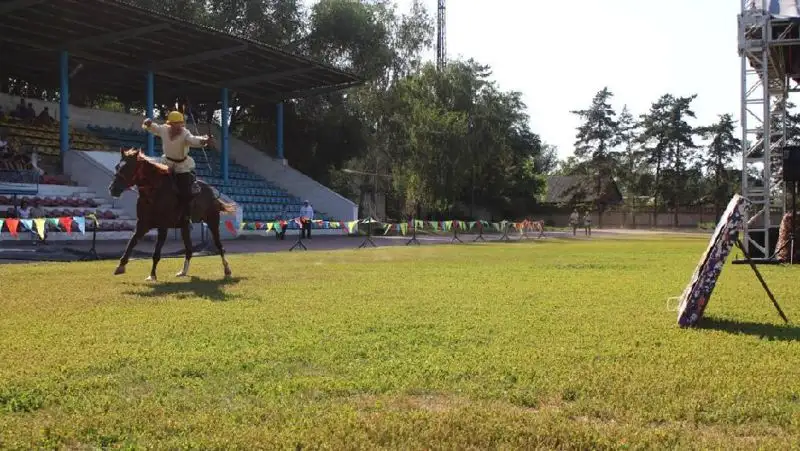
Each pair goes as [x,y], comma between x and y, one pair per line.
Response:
[441,32]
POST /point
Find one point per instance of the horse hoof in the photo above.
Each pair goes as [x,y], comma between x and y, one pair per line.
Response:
[151,279]
[181,274]
[119,270]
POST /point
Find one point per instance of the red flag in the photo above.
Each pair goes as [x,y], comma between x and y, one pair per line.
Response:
[259,225]
[12,225]
[66,222]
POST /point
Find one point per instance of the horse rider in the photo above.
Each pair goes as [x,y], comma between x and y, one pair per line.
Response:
[176,141]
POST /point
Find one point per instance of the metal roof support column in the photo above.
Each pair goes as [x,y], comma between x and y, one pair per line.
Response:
[150,92]
[226,119]
[63,110]
[279,125]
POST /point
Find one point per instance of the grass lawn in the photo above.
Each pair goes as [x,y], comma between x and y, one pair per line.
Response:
[550,344]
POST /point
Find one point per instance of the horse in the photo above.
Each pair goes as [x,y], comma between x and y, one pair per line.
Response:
[157,208]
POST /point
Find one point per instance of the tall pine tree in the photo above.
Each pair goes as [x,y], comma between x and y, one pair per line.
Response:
[722,148]
[595,147]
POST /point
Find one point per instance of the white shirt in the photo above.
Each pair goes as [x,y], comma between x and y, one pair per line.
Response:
[178,148]
[307,212]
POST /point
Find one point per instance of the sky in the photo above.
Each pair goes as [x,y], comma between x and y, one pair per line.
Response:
[559,53]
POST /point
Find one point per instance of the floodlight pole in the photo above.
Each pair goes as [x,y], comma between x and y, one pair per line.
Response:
[63,113]
[150,92]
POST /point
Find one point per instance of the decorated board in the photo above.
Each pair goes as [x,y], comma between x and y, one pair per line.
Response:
[695,297]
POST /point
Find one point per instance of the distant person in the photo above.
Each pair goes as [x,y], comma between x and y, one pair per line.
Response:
[20,111]
[44,118]
[30,113]
[587,223]
[24,210]
[306,216]
[573,221]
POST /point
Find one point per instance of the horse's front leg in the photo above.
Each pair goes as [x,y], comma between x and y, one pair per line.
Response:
[187,248]
[162,237]
[213,227]
[137,235]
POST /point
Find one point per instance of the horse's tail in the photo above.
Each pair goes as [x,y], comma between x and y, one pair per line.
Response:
[224,207]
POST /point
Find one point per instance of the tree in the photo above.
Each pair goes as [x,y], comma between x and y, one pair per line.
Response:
[668,142]
[632,171]
[723,146]
[595,146]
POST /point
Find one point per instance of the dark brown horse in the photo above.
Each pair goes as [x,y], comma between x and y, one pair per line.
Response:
[157,208]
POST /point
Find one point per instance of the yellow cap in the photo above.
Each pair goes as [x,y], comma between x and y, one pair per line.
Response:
[174,117]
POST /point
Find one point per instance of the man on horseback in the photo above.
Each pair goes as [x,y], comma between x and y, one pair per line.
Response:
[176,141]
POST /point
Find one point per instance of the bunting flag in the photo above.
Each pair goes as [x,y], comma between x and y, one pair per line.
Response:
[66,224]
[40,222]
[81,221]
[39,225]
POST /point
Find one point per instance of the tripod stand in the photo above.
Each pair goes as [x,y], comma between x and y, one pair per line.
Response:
[455,233]
[480,232]
[368,239]
[92,253]
[413,234]
[505,236]
[299,243]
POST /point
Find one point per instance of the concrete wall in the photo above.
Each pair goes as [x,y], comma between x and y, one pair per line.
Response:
[618,219]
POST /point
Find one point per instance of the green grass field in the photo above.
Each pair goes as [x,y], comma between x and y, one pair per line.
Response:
[550,344]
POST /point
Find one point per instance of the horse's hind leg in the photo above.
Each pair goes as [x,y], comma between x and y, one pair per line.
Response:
[137,235]
[162,237]
[213,227]
[187,248]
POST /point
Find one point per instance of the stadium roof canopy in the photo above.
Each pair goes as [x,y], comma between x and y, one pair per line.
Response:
[112,44]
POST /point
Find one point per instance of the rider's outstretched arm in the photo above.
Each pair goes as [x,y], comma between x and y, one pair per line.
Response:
[152,127]
[196,141]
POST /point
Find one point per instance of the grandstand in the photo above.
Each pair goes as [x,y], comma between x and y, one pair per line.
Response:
[66,164]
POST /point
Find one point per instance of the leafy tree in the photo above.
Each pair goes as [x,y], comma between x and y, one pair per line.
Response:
[667,139]
[722,148]
[595,147]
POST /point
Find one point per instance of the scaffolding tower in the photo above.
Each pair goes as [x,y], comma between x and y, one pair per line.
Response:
[765,44]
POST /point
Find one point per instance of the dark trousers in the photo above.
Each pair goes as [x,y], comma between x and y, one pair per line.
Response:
[184,182]
[305,229]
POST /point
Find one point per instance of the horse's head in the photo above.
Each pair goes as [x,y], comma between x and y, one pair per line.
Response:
[125,174]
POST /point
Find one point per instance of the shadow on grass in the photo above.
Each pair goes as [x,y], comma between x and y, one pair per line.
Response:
[212,289]
[763,330]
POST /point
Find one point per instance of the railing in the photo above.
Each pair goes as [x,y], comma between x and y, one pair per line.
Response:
[19,182]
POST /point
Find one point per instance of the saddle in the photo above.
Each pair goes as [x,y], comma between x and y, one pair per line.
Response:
[195,187]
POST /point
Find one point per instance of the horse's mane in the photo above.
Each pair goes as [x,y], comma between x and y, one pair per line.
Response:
[160,168]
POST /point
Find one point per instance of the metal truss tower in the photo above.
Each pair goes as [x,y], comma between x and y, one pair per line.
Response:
[764,42]
[441,36]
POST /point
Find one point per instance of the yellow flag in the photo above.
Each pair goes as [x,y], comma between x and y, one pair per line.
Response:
[40,222]
[270,225]
[241,225]
[351,226]
[403,228]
